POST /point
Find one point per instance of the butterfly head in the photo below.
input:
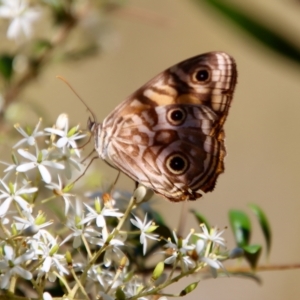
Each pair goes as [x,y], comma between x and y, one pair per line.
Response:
[91,124]
[95,129]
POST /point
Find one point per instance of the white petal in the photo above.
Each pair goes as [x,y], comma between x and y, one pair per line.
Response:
[4,195]
[62,121]
[107,258]
[5,12]
[44,173]
[62,142]
[199,246]
[27,155]
[136,223]
[15,29]
[47,264]
[145,247]
[22,272]
[213,263]
[23,203]
[55,131]
[5,206]
[29,255]
[9,252]
[111,212]
[27,191]
[100,221]
[5,186]
[53,164]
[170,259]
[20,143]
[5,280]
[31,141]
[26,167]
[47,296]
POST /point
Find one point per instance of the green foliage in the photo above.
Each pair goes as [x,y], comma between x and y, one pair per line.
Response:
[271,37]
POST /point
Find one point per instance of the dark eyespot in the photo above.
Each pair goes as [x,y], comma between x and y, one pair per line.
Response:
[202,75]
[177,163]
[176,116]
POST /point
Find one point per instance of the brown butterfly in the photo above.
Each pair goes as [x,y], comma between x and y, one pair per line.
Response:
[168,135]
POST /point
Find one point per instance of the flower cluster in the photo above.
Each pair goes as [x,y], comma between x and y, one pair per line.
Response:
[93,245]
[41,32]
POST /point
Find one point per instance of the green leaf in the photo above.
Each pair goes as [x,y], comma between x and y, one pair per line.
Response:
[6,66]
[200,219]
[264,224]
[252,254]
[272,38]
[241,227]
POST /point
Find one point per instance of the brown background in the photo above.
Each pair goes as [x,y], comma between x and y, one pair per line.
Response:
[262,130]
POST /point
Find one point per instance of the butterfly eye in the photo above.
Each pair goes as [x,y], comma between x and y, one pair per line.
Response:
[177,164]
[202,75]
[176,116]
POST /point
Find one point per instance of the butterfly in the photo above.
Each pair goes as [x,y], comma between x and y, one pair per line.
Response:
[168,135]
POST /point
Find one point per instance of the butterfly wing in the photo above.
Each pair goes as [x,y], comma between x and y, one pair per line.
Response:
[168,135]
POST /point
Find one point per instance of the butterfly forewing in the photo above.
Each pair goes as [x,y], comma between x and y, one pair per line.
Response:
[168,135]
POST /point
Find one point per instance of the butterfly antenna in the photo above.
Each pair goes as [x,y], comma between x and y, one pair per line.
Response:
[82,101]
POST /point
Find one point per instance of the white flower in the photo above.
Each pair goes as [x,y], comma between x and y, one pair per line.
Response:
[113,253]
[66,156]
[59,189]
[146,229]
[104,277]
[100,214]
[30,225]
[29,137]
[10,265]
[11,193]
[52,261]
[39,161]
[181,244]
[211,259]
[62,121]
[133,288]
[213,236]
[74,225]
[10,167]
[67,137]
[22,18]
[179,251]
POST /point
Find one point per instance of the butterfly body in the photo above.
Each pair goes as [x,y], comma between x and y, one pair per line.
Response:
[169,135]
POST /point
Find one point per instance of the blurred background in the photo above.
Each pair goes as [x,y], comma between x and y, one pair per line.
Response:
[143,38]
